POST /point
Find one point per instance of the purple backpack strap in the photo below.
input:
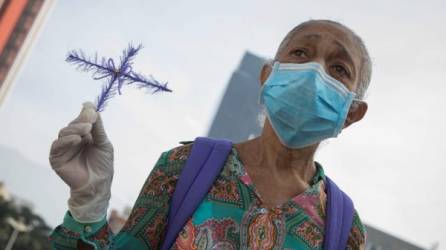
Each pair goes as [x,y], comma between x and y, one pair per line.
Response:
[202,167]
[339,217]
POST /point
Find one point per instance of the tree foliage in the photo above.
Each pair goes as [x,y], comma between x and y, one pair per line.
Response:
[35,239]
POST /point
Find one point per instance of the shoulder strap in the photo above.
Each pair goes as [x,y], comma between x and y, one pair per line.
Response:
[201,169]
[203,166]
[339,217]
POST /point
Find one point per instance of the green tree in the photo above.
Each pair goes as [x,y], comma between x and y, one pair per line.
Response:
[35,239]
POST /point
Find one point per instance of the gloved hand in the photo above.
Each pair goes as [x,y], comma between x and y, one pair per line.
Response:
[83,157]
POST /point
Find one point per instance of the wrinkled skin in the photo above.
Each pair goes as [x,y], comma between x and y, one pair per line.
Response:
[280,173]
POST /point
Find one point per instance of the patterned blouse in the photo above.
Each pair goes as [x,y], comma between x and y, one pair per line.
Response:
[231,216]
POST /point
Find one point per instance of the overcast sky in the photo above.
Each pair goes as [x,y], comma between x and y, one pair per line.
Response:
[392,163]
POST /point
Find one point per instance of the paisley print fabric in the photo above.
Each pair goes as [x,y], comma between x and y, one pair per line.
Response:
[232,215]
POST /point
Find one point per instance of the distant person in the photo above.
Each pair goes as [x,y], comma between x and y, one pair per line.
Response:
[269,192]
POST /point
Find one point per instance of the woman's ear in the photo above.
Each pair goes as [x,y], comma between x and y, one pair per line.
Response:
[264,73]
[356,113]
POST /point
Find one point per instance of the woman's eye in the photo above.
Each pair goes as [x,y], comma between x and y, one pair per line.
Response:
[299,53]
[341,71]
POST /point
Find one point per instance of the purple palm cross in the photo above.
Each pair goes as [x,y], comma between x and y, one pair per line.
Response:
[117,76]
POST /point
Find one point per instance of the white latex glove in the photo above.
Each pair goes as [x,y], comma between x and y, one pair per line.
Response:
[83,157]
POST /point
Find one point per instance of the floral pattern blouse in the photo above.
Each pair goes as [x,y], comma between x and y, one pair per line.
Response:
[231,216]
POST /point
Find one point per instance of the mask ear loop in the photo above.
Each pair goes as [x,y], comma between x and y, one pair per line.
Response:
[355,103]
[353,107]
[269,62]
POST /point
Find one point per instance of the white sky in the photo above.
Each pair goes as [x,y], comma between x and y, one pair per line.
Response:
[392,163]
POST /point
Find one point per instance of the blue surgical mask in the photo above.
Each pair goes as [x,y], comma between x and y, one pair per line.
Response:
[304,104]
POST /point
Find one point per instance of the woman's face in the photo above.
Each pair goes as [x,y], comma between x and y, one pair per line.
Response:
[327,44]
[331,46]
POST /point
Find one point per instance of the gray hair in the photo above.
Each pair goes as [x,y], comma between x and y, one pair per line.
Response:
[365,70]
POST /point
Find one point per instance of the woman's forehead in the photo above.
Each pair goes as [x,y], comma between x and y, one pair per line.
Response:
[316,32]
[317,29]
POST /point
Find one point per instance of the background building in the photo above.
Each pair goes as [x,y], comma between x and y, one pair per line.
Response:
[20,21]
[238,115]
[239,118]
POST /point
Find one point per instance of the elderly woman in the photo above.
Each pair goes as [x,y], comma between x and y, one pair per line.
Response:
[269,192]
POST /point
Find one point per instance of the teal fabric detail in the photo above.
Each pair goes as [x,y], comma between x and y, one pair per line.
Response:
[85,229]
